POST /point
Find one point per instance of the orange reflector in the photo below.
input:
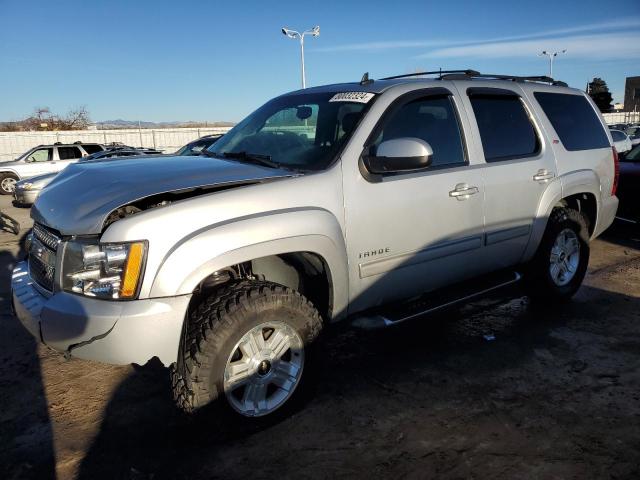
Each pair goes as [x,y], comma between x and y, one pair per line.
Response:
[132,271]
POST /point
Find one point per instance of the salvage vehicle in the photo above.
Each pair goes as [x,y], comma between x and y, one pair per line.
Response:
[377,201]
[42,159]
[26,191]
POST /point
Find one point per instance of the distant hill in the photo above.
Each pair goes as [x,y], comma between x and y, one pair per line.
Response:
[119,123]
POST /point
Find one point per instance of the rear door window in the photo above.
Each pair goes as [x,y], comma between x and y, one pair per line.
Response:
[505,128]
[69,153]
[574,120]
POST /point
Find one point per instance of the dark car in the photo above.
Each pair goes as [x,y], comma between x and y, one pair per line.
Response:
[122,151]
[197,146]
[629,186]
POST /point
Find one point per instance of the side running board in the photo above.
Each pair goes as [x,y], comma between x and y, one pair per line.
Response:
[434,301]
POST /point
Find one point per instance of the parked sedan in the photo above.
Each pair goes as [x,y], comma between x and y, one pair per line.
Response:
[629,186]
[26,191]
[621,141]
[197,146]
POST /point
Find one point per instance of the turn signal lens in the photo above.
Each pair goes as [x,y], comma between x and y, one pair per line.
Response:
[132,270]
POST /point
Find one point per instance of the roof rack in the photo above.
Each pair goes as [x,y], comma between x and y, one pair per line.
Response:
[513,78]
[469,74]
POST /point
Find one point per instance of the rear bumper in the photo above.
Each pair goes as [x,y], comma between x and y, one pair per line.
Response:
[606,214]
[107,331]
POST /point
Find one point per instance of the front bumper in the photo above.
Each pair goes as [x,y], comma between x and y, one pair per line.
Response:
[107,331]
[25,197]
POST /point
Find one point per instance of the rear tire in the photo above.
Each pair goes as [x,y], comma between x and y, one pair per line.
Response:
[246,348]
[560,264]
[8,183]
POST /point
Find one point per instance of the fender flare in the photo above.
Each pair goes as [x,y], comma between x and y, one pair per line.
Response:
[580,181]
[302,230]
[10,170]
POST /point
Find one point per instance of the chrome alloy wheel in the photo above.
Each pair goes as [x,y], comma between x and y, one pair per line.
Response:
[565,257]
[264,369]
[8,184]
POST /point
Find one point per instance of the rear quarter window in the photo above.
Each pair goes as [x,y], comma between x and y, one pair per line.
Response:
[91,148]
[574,120]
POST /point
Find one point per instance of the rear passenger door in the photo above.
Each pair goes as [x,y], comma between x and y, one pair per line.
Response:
[519,166]
[66,156]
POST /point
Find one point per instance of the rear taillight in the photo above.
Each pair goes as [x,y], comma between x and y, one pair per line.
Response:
[616,171]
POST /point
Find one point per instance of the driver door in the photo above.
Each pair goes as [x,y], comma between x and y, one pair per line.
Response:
[413,232]
[37,163]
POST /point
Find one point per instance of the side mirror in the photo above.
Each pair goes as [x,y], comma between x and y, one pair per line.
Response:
[400,155]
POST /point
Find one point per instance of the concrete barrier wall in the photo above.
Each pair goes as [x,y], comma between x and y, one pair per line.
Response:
[13,144]
[621,117]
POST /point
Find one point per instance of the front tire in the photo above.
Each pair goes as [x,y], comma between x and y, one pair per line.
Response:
[246,347]
[8,183]
[560,264]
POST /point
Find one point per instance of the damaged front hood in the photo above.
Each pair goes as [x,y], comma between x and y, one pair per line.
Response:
[79,199]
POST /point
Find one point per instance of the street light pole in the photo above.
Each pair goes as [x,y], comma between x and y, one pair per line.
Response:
[315,31]
[551,57]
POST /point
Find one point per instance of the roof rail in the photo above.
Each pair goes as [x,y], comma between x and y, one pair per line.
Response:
[513,78]
[469,74]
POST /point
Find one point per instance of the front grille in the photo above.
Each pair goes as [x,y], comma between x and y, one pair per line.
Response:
[42,256]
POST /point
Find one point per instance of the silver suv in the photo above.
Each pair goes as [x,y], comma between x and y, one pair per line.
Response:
[42,159]
[376,201]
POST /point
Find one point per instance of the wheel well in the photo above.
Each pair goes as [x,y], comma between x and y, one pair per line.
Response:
[585,203]
[306,272]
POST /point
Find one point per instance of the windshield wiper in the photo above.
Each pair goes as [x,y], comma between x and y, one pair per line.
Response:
[257,158]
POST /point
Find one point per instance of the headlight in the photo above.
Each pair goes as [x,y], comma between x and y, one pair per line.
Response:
[103,270]
[26,186]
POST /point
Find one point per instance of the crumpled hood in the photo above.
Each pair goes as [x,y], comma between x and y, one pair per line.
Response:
[79,199]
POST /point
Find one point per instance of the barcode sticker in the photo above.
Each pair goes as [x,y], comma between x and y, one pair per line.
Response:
[359,97]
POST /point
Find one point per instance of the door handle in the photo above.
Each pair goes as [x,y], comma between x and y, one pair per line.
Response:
[543,176]
[463,191]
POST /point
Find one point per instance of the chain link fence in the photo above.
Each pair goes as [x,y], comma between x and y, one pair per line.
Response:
[13,144]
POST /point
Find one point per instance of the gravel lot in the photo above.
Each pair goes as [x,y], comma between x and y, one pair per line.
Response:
[555,395]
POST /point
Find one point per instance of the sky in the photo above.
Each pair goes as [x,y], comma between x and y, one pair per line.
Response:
[218,61]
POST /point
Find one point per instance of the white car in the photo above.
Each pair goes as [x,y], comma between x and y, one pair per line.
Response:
[40,160]
[621,141]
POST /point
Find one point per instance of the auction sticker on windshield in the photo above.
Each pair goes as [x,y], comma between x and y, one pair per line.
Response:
[359,97]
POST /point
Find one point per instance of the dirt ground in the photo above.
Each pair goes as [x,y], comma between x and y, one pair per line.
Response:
[556,394]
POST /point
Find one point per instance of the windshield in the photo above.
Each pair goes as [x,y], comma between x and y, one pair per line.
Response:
[303,131]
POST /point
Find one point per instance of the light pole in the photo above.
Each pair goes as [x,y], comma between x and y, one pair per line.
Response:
[315,31]
[551,57]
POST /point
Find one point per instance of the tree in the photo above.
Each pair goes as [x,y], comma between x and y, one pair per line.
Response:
[43,119]
[599,92]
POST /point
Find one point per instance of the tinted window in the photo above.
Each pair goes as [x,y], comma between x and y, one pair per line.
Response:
[574,120]
[432,119]
[69,153]
[505,128]
[41,155]
[618,136]
[92,148]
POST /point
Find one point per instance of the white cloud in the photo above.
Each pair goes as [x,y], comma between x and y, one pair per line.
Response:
[606,46]
[618,24]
